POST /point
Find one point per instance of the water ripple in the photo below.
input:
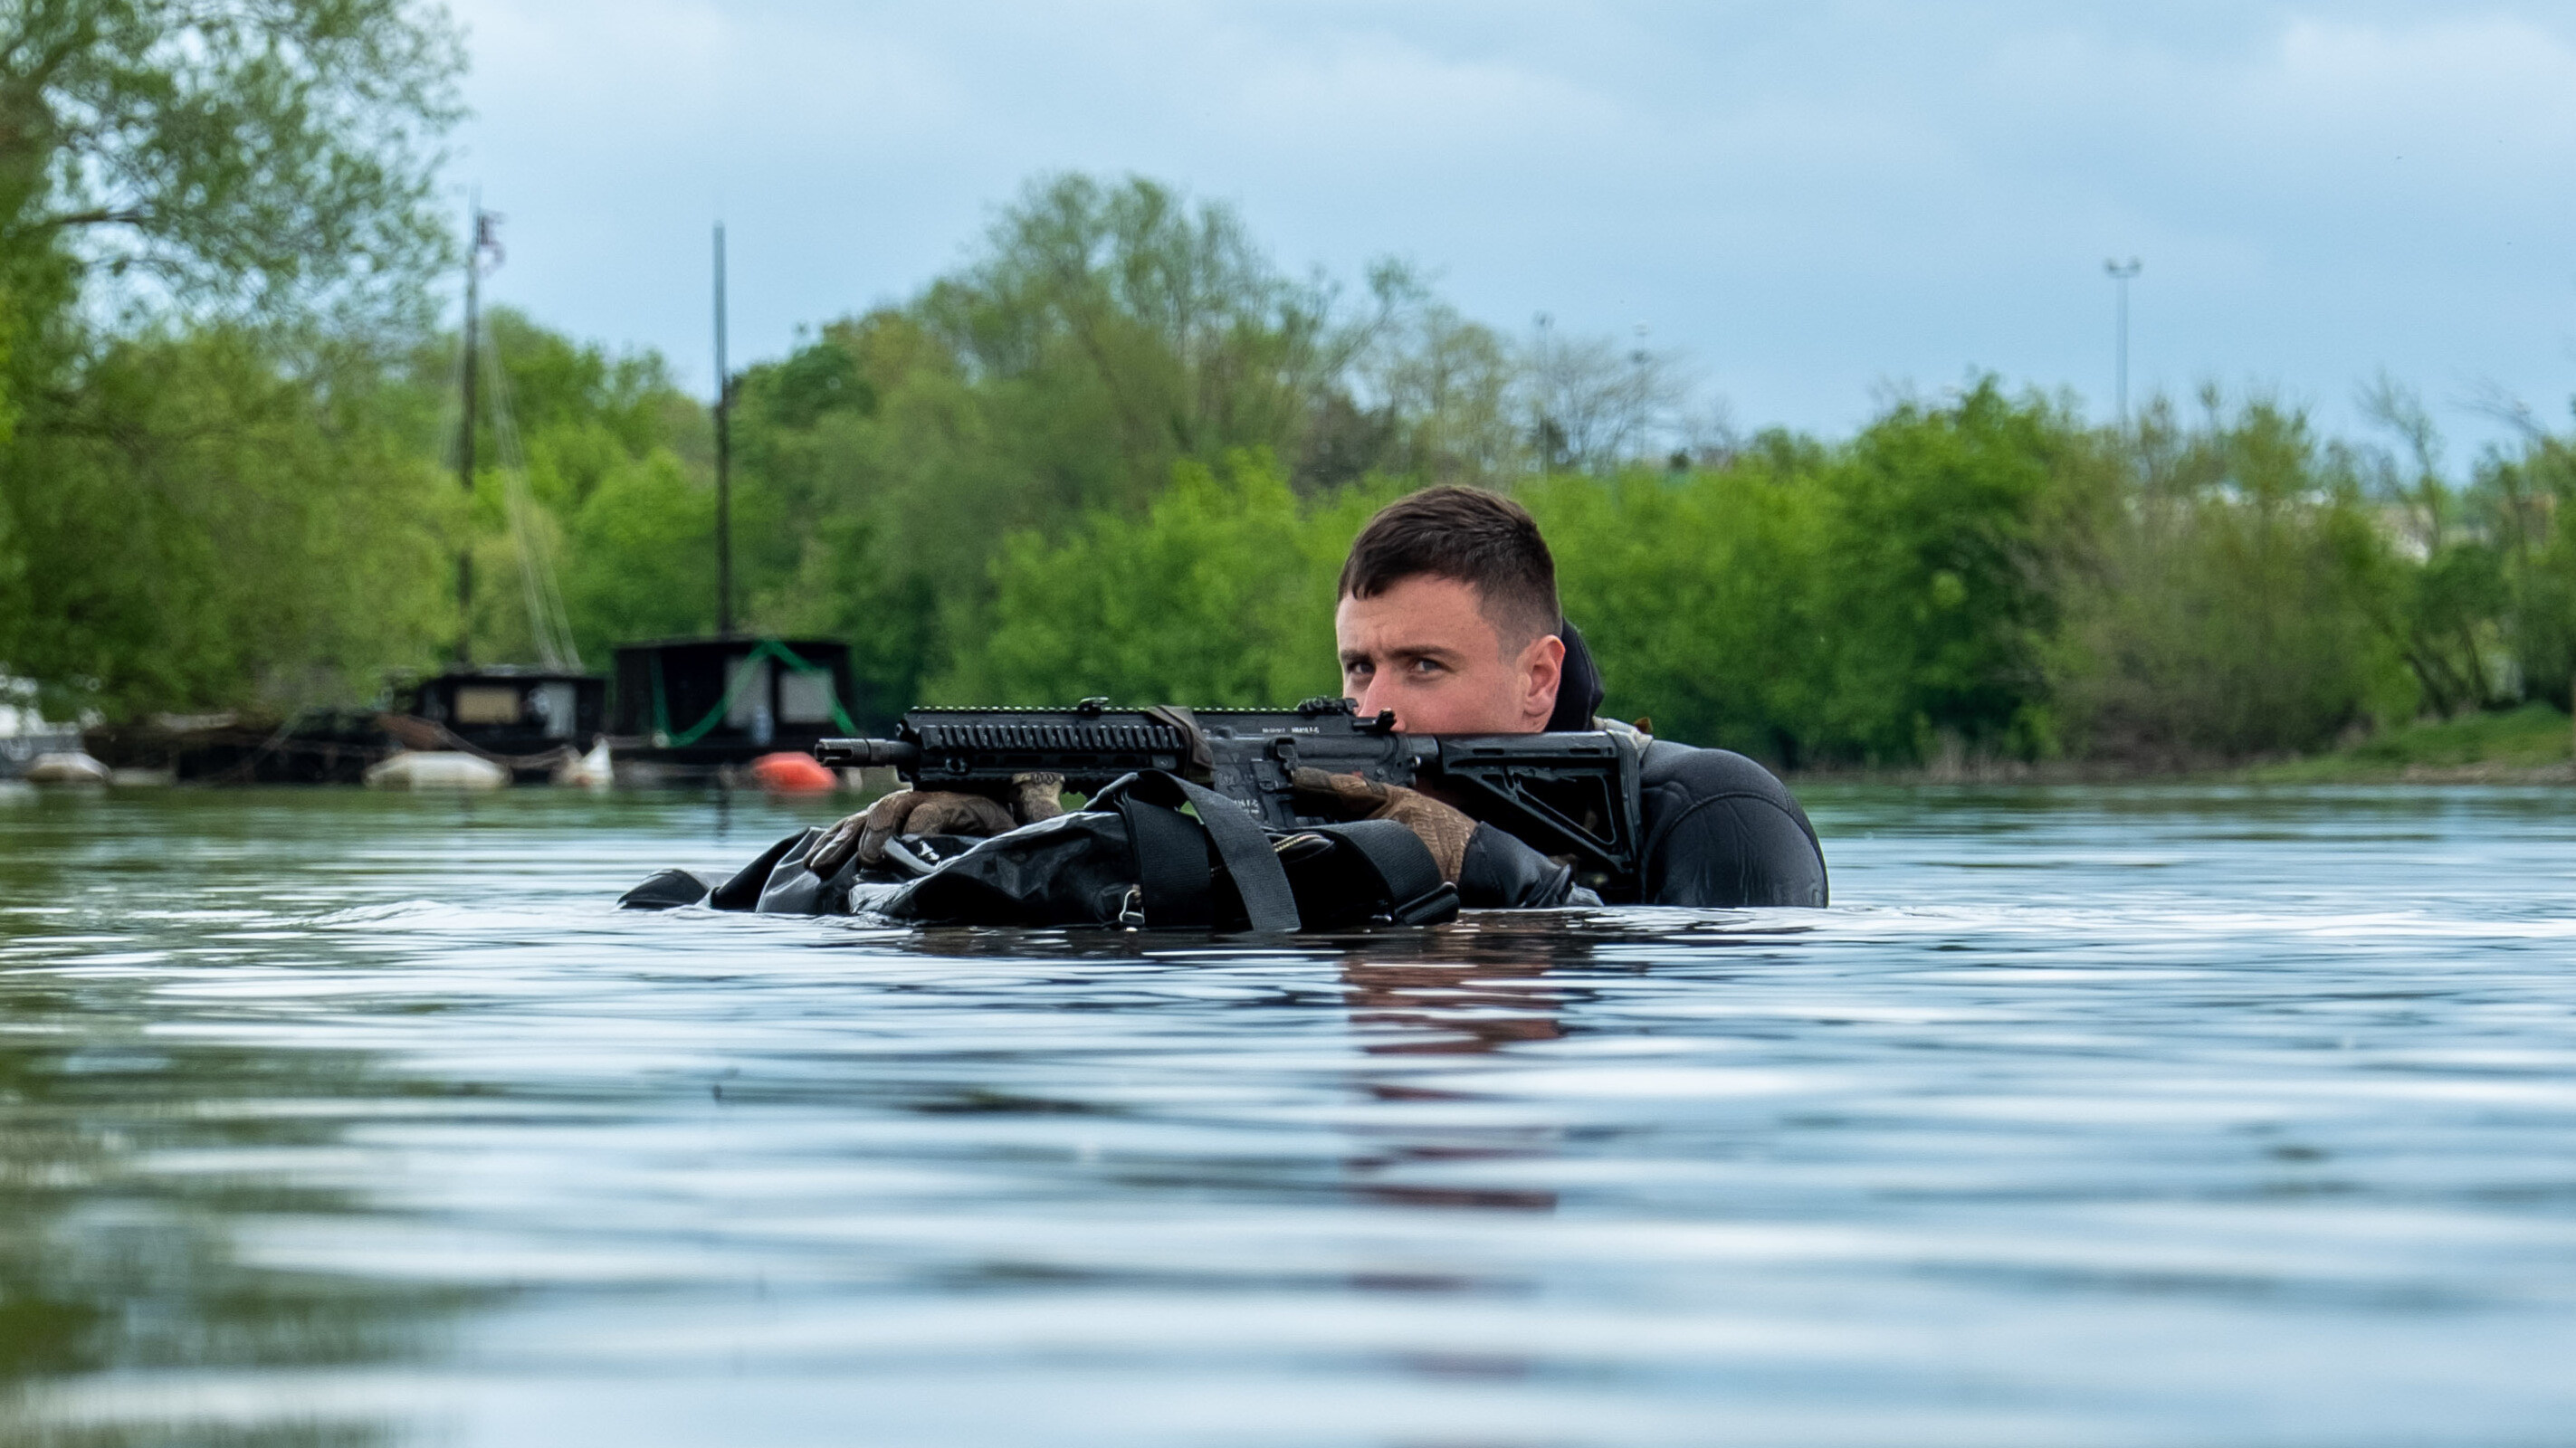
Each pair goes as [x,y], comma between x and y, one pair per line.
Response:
[2147,1116]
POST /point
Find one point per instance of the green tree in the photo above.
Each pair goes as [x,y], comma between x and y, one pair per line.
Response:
[243,185]
[643,558]
[202,528]
[583,424]
[2445,608]
[2239,601]
[1222,594]
[873,454]
[1448,385]
[1943,533]
[256,155]
[2528,504]
[1121,328]
[1699,594]
[1105,333]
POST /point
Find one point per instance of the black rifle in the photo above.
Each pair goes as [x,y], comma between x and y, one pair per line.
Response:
[1570,795]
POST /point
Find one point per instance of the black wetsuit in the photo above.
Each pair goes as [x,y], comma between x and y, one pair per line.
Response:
[1720,829]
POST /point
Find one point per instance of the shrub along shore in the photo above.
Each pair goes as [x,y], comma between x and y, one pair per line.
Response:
[2530,745]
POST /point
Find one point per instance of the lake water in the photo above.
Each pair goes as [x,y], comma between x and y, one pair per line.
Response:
[2144,1116]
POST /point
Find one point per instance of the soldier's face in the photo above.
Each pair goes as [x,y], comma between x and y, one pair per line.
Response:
[1425,649]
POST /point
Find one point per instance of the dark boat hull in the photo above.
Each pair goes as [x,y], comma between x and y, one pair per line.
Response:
[315,747]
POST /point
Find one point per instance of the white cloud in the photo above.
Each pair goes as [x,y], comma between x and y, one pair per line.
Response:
[1376,94]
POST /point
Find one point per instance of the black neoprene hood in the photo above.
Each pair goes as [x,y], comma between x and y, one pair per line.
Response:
[1578,690]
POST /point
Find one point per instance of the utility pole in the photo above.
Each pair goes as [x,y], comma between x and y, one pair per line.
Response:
[2121,272]
[482,236]
[1543,430]
[724,458]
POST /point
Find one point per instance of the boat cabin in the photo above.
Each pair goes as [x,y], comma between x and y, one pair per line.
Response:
[502,709]
[711,701]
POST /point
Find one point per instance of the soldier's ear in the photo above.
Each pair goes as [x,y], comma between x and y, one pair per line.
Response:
[1542,674]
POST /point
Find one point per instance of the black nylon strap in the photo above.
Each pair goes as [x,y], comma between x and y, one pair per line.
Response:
[1403,863]
[1263,882]
[1172,871]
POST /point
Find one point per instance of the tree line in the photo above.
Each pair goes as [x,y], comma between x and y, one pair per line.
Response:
[1119,450]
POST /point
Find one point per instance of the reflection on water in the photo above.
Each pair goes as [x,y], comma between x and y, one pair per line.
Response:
[2139,1116]
[1463,992]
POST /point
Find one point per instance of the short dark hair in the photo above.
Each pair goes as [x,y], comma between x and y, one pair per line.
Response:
[1479,538]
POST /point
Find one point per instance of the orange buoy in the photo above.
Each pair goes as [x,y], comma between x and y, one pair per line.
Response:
[785,773]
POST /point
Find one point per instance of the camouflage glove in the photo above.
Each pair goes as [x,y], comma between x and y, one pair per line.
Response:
[1442,829]
[933,812]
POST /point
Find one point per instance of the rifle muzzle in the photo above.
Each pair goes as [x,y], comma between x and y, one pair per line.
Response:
[867,753]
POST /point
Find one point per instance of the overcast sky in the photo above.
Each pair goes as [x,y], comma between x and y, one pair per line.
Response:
[1814,202]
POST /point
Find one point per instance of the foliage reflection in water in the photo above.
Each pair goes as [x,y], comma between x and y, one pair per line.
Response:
[2153,1115]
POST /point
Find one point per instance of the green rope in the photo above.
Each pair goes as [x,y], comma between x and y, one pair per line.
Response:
[764,648]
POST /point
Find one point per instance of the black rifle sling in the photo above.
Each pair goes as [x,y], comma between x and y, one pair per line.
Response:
[1172,875]
[1268,903]
[1200,764]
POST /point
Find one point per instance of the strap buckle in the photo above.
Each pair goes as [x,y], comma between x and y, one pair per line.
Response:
[1436,906]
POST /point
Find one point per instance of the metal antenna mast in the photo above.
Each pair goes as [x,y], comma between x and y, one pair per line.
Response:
[724,457]
[480,238]
[2121,272]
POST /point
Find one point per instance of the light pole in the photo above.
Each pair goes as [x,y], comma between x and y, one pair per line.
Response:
[724,458]
[2121,272]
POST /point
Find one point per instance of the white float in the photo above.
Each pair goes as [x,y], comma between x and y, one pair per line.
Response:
[594,770]
[65,767]
[437,769]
